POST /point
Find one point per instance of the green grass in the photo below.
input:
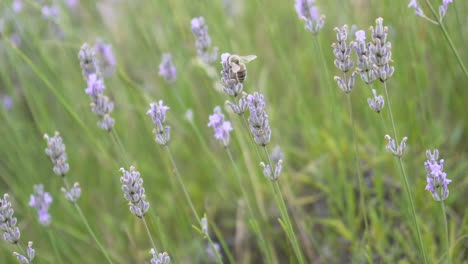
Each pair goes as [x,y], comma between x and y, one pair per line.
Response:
[308,115]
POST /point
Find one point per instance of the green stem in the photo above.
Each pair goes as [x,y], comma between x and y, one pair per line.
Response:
[446,35]
[91,232]
[405,179]
[54,246]
[149,234]
[284,213]
[447,240]
[263,243]
[189,200]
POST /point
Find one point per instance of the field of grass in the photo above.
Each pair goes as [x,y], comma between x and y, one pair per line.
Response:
[345,198]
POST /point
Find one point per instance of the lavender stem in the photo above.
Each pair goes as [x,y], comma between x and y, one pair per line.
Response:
[149,233]
[447,240]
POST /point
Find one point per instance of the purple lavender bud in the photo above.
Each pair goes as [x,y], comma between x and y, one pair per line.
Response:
[72,4]
[30,254]
[417,8]
[106,57]
[107,122]
[376,103]
[276,154]
[272,175]
[73,194]
[95,85]
[167,69]
[50,12]
[310,14]
[443,8]
[17,6]
[232,86]
[258,119]
[222,128]
[132,186]
[56,152]
[436,177]
[88,61]
[342,50]
[41,201]
[11,233]
[157,112]
[394,148]
[203,41]
[7,102]
[159,258]
[241,106]
[381,51]
[204,226]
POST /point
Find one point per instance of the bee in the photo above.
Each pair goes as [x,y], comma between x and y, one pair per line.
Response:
[237,64]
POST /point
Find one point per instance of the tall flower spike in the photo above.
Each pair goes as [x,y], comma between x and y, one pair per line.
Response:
[232,86]
[88,61]
[258,119]
[106,57]
[30,254]
[167,69]
[159,258]
[364,65]
[157,112]
[221,127]
[203,41]
[417,8]
[41,201]
[394,148]
[376,103]
[269,173]
[56,152]
[381,51]
[132,186]
[443,8]
[310,14]
[11,233]
[437,182]
[73,194]
[342,51]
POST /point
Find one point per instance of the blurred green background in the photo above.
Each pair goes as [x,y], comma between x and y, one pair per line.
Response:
[307,111]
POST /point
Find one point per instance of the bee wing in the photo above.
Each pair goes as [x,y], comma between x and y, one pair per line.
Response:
[235,67]
[248,58]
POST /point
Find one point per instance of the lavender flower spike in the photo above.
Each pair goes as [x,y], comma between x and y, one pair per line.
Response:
[394,148]
[364,64]
[157,112]
[31,253]
[222,128]
[159,258]
[232,86]
[381,51]
[203,41]
[11,233]
[258,119]
[436,178]
[376,103]
[310,14]
[88,61]
[167,69]
[132,186]
[443,8]
[107,60]
[56,151]
[342,52]
[73,194]
[417,8]
[41,201]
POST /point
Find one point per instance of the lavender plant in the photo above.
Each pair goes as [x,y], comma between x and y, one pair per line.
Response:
[41,201]
[437,184]
[101,105]
[134,193]
[11,232]
[342,51]
[167,69]
[221,128]
[56,152]
[157,112]
[203,41]
[438,20]
[307,11]
[377,102]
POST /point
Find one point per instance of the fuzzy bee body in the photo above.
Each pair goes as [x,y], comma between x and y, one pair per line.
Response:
[238,67]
